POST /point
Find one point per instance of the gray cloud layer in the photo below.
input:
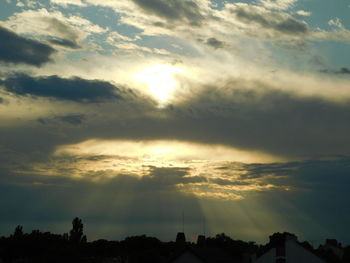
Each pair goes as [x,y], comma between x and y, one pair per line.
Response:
[233,114]
[16,49]
[270,20]
[73,119]
[262,118]
[343,70]
[174,10]
[65,43]
[74,89]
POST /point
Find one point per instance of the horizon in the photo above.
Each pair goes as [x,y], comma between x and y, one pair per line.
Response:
[128,113]
[193,238]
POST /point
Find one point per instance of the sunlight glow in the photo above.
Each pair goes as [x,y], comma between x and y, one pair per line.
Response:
[160,80]
[171,152]
[201,170]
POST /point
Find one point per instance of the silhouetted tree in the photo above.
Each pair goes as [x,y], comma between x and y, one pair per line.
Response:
[18,232]
[76,235]
[236,248]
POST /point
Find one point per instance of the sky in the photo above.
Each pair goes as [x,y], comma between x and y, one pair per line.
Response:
[131,113]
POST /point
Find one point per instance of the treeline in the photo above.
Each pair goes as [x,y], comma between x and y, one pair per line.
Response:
[40,247]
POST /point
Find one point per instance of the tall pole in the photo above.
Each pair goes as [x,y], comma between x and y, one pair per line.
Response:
[204,225]
[183,222]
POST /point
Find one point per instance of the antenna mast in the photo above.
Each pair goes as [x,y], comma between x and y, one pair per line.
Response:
[183,222]
[203,225]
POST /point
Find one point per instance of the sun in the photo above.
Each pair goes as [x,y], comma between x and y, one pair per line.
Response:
[160,81]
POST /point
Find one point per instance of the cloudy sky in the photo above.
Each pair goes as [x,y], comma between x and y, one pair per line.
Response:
[128,113]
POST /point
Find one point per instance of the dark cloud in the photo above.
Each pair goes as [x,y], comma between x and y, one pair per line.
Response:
[291,26]
[295,45]
[263,118]
[326,175]
[73,89]
[342,70]
[66,36]
[67,32]
[65,43]
[74,119]
[16,49]
[221,181]
[168,171]
[174,10]
[172,176]
[213,42]
[279,22]
[244,114]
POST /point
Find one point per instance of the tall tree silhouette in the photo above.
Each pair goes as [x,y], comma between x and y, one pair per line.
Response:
[76,235]
[18,232]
